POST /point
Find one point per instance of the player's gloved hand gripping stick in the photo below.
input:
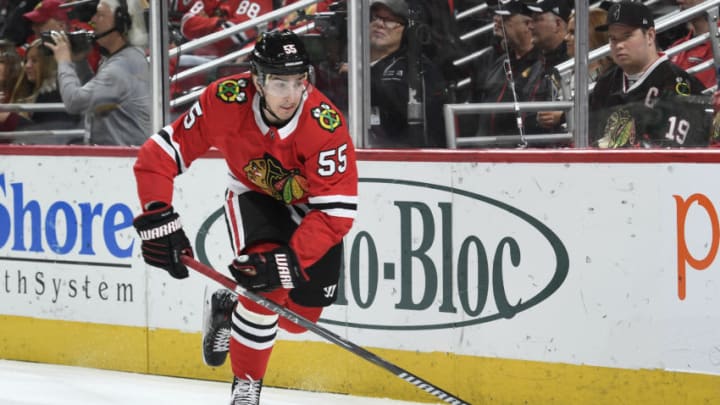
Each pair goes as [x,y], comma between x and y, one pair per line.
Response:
[267,270]
[163,239]
[263,260]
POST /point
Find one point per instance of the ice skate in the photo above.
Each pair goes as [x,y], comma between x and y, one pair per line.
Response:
[246,392]
[217,327]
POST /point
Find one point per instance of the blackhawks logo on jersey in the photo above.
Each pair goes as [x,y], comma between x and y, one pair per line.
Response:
[282,184]
[327,117]
[682,87]
[619,131]
[232,91]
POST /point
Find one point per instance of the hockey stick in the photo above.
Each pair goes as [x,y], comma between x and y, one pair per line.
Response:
[322,332]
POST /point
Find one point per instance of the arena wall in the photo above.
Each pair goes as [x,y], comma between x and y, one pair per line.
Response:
[507,277]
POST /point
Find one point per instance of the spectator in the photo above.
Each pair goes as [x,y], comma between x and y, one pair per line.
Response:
[390,83]
[10,71]
[549,28]
[49,15]
[493,49]
[511,74]
[496,47]
[699,53]
[17,29]
[208,16]
[38,84]
[443,45]
[643,101]
[116,101]
[302,17]
[596,39]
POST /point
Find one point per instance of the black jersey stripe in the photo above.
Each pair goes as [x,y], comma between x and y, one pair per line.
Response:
[166,137]
[333,205]
[299,211]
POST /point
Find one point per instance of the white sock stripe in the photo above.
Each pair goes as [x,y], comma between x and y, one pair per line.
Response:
[249,329]
[252,317]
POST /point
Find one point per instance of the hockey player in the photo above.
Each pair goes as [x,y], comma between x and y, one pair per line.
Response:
[646,100]
[291,195]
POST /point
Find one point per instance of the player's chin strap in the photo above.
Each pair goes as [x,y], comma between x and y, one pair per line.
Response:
[511,77]
[265,107]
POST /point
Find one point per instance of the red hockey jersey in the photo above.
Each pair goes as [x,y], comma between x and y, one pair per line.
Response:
[208,16]
[310,160]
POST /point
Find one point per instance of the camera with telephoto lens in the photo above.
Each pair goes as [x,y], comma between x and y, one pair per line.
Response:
[80,41]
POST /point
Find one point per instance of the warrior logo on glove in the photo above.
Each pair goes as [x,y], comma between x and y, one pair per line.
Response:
[267,271]
[160,231]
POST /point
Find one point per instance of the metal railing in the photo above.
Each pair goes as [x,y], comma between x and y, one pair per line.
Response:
[63,135]
[453,142]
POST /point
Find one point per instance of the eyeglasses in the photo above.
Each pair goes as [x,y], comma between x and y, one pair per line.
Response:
[385,22]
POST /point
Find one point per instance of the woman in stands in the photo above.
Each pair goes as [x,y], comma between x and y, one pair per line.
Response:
[10,70]
[38,84]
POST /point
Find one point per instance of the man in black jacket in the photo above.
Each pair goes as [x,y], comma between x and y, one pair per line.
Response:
[549,28]
[511,75]
[646,100]
[396,119]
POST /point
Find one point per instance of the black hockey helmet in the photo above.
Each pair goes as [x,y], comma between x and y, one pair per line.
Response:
[279,53]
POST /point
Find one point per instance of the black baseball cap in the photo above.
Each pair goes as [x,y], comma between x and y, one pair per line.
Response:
[510,7]
[398,7]
[628,13]
[561,8]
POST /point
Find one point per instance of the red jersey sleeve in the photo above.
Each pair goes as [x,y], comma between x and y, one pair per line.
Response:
[170,152]
[199,21]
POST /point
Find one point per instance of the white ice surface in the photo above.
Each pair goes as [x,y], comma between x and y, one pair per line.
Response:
[23,383]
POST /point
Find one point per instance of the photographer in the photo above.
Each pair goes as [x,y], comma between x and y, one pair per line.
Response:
[52,15]
[116,101]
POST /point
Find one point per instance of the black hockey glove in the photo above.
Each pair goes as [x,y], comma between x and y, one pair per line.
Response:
[268,270]
[163,240]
